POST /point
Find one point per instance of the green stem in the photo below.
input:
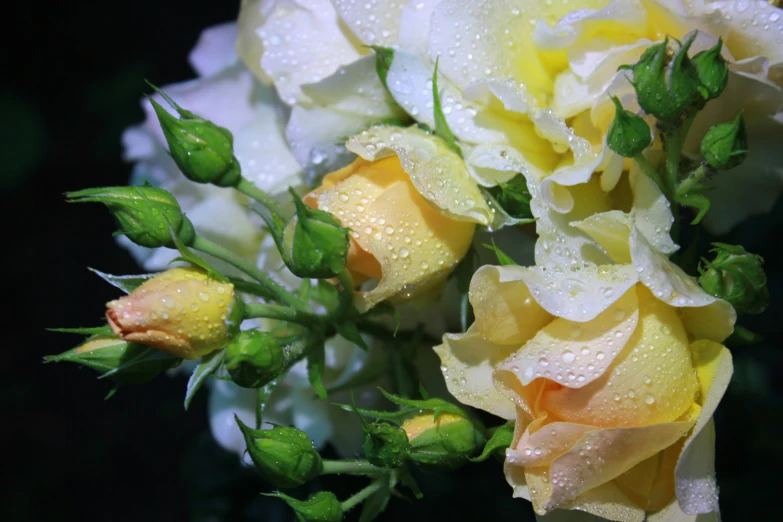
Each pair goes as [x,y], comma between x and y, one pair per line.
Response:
[351,467]
[689,182]
[253,192]
[275,289]
[362,495]
[650,171]
[673,149]
[281,313]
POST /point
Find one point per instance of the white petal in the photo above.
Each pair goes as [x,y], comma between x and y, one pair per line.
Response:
[374,22]
[651,212]
[226,399]
[414,31]
[215,49]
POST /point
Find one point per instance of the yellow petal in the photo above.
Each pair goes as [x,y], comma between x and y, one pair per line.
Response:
[506,312]
[650,484]
[467,362]
[438,173]
[612,231]
[575,354]
[651,381]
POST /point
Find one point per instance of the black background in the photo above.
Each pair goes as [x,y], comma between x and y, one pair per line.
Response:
[72,78]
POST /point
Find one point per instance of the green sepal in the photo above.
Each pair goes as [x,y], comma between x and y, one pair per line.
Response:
[377,502]
[385,445]
[144,214]
[409,482]
[202,150]
[628,134]
[188,256]
[503,258]
[118,360]
[320,507]
[283,455]
[316,365]
[725,145]
[126,283]
[500,438]
[350,332]
[510,202]
[697,201]
[442,129]
[447,446]
[254,358]
[383,61]
[90,330]
[206,367]
[713,71]
[667,91]
[736,276]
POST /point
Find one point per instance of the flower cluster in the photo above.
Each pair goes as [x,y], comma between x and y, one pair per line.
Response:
[339,166]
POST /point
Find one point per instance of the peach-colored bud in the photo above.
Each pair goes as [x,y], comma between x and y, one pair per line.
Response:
[181,311]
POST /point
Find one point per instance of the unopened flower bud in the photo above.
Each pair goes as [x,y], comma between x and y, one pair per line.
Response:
[202,150]
[146,215]
[253,358]
[320,507]
[629,134]
[442,444]
[713,71]
[736,276]
[181,311]
[118,360]
[313,244]
[725,145]
[386,445]
[666,88]
[283,455]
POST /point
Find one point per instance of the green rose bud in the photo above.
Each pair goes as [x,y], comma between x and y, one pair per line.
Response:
[118,360]
[713,71]
[313,244]
[629,134]
[736,276]
[386,445]
[666,88]
[144,214]
[203,151]
[283,455]
[321,507]
[254,358]
[443,444]
[725,145]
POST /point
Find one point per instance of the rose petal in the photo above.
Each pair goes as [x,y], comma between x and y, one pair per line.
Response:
[467,363]
[374,23]
[215,49]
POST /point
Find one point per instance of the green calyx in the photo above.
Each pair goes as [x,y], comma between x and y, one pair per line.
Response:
[118,360]
[202,150]
[628,134]
[254,358]
[320,507]
[667,87]
[283,455]
[313,244]
[725,145]
[713,71]
[144,214]
[386,445]
[736,276]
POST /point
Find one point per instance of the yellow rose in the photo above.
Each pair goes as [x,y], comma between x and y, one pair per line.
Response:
[180,311]
[612,373]
[411,207]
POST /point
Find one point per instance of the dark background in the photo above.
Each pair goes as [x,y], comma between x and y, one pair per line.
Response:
[72,79]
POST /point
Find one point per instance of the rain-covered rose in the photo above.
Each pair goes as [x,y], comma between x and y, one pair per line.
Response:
[227,94]
[182,311]
[411,207]
[611,371]
[526,88]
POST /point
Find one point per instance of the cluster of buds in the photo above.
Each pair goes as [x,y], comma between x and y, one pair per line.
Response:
[736,276]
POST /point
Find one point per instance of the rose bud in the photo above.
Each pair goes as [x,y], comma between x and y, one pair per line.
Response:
[253,358]
[386,445]
[181,311]
[445,443]
[411,214]
[146,215]
[283,455]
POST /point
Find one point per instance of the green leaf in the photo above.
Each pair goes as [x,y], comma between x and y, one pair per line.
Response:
[208,365]
[442,129]
[126,283]
[383,60]
[501,438]
[503,258]
[349,330]
[316,364]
